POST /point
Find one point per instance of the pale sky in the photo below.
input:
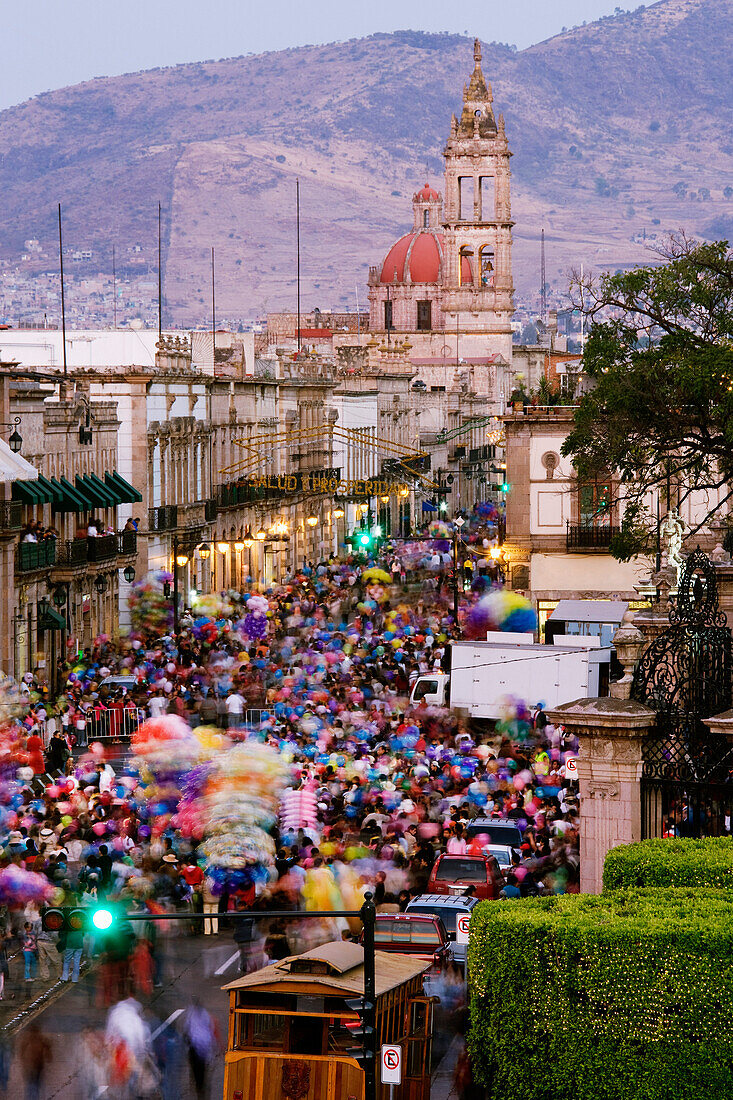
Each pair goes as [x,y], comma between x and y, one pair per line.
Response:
[48,44]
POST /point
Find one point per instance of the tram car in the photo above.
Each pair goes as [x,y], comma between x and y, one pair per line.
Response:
[290,1031]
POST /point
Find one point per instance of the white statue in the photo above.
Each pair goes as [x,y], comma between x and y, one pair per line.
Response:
[673,529]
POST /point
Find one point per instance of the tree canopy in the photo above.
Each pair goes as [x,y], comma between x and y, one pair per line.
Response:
[659,359]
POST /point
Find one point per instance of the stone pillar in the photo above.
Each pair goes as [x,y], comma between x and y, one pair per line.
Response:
[610,732]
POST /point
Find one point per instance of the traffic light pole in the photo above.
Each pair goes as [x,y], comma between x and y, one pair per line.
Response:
[367,915]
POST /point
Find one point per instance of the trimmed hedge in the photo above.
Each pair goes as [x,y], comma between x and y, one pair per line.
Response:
[707,862]
[626,996]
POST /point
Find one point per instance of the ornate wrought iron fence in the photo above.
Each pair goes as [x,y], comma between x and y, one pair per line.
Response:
[685,676]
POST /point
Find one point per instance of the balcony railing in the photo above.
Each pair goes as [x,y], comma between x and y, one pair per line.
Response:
[11,515]
[102,548]
[211,510]
[164,518]
[35,555]
[72,551]
[127,542]
[590,537]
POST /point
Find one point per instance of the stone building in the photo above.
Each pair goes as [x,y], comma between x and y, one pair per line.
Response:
[447,284]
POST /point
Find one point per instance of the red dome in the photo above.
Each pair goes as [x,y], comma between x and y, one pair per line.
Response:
[416,258]
[426,194]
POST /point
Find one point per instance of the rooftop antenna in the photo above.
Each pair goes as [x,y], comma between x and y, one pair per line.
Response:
[297,234]
[63,300]
[114,290]
[160,284]
[543,281]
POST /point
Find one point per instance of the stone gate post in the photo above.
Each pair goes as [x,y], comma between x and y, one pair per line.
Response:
[610,732]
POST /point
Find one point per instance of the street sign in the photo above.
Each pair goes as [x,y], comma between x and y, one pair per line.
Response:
[571,767]
[391,1064]
[462,923]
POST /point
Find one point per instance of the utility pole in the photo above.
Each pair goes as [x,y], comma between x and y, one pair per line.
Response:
[63,300]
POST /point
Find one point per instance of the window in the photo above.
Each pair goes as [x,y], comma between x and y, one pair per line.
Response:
[388,315]
[486,265]
[465,198]
[594,504]
[486,184]
[425,687]
[403,932]
[467,870]
[423,316]
[465,266]
[426,219]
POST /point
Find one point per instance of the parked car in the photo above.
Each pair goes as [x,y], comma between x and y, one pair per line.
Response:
[423,936]
[448,908]
[456,874]
[498,832]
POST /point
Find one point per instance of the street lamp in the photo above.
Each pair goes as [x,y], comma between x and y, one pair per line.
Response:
[338,512]
[129,573]
[248,540]
[101,584]
[239,545]
[458,522]
[15,441]
[222,547]
[204,551]
[312,521]
[182,560]
[260,534]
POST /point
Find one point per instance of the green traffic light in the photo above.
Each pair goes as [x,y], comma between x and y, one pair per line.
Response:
[505,487]
[102,919]
[364,540]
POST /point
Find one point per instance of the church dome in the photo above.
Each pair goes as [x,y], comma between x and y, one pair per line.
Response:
[426,194]
[416,258]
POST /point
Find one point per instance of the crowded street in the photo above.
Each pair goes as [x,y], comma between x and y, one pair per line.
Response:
[267,756]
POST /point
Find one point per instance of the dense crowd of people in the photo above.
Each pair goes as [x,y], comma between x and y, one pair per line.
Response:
[319,670]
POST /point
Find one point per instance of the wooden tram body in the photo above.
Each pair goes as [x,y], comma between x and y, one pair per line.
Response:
[289,1028]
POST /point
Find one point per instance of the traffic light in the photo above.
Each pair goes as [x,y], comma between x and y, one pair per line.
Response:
[64,918]
[505,486]
[365,540]
[366,1053]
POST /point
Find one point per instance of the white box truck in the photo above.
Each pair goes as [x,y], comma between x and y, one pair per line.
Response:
[482,673]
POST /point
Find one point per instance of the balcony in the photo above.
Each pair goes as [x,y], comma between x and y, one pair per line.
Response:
[70,552]
[127,542]
[35,555]
[164,518]
[11,515]
[101,548]
[211,511]
[590,537]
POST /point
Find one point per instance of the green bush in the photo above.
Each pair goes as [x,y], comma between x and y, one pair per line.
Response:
[707,862]
[626,996]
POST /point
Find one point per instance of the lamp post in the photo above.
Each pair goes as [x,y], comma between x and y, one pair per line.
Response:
[457,524]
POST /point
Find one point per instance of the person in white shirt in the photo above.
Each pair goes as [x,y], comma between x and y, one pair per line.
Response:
[235,709]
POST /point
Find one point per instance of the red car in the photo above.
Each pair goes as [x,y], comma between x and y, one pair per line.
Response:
[455,874]
[419,934]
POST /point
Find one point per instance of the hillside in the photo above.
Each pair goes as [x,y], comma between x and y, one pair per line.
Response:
[618,128]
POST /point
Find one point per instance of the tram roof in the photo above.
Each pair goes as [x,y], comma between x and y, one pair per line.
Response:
[338,966]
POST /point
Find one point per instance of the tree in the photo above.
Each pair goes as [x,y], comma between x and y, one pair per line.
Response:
[659,357]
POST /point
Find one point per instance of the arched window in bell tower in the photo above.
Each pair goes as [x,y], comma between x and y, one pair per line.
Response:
[487,265]
[465,266]
[426,219]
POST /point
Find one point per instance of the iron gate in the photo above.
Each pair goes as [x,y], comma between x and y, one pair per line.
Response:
[685,676]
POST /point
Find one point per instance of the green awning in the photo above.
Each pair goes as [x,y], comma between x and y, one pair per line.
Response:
[28,492]
[84,489]
[111,495]
[72,499]
[130,495]
[52,493]
[51,620]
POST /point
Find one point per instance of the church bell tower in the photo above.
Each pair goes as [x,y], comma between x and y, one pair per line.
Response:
[477,279]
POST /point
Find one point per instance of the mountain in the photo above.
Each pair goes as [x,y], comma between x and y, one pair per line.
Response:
[619,128]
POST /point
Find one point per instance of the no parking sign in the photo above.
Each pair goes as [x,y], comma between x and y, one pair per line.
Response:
[571,767]
[391,1064]
[462,926]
